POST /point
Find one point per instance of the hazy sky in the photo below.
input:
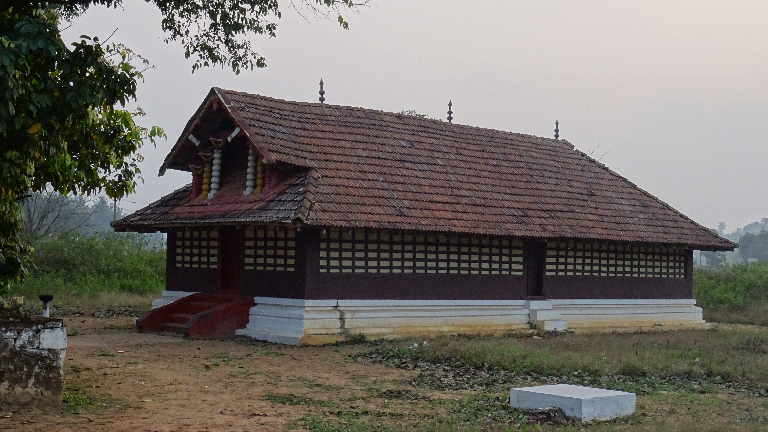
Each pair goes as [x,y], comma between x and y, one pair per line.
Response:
[671,95]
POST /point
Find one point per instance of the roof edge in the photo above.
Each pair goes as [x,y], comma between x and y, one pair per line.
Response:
[238,119]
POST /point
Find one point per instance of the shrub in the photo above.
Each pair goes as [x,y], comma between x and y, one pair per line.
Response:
[78,264]
[730,287]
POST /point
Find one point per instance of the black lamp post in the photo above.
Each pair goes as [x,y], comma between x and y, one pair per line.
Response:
[45,298]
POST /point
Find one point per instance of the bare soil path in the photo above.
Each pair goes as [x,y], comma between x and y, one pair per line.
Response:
[147,382]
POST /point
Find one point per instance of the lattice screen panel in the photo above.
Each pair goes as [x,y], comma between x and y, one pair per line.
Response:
[197,248]
[387,251]
[614,259]
[270,248]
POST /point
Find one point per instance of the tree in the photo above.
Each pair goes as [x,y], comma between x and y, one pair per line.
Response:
[754,246]
[721,229]
[63,124]
[49,213]
[211,31]
[713,259]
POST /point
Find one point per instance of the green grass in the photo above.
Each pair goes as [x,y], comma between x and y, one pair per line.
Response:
[105,270]
[471,413]
[731,286]
[737,356]
[734,293]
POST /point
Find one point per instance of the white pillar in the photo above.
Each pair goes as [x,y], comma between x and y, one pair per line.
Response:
[216,174]
[250,177]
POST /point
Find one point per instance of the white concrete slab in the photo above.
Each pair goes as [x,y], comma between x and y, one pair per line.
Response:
[583,403]
[552,325]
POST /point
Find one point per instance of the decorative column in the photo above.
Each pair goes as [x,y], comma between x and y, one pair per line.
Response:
[260,168]
[250,176]
[206,187]
[197,180]
[218,144]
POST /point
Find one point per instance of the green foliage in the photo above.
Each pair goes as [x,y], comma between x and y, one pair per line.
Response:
[60,124]
[214,32]
[59,121]
[84,265]
[754,246]
[74,399]
[714,259]
[413,113]
[730,287]
[13,308]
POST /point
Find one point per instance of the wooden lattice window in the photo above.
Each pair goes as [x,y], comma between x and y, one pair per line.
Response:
[389,251]
[614,259]
[197,248]
[270,248]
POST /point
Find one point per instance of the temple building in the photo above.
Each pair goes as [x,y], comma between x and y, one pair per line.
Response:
[309,223]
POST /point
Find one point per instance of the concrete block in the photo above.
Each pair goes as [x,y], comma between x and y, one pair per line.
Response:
[552,325]
[53,339]
[544,315]
[583,403]
[538,304]
[28,339]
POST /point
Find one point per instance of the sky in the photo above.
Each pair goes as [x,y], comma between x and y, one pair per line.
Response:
[671,95]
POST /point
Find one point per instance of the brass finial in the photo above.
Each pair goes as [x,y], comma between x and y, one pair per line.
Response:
[322,92]
[450,116]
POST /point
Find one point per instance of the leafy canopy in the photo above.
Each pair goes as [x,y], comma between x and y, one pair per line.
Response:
[213,32]
[63,122]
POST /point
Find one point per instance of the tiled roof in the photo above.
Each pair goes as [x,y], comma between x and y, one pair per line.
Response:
[229,205]
[378,169]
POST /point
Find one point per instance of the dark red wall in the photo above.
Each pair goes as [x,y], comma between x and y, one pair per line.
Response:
[281,284]
[411,286]
[596,287]
[185,278]
[307,282]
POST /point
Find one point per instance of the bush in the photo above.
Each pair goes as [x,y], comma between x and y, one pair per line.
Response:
[77,264]
[731,287]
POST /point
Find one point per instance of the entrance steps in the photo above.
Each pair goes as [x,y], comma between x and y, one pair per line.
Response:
[199,316]
[543,317]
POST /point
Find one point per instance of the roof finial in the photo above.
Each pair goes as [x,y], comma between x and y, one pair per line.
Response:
[450,117]
[322,92]
[557,129]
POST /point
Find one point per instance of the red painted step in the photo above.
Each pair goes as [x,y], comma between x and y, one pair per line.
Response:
[199,316]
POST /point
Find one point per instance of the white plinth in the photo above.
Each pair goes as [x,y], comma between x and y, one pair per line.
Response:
[583,403]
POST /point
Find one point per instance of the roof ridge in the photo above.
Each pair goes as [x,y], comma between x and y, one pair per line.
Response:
[371,110]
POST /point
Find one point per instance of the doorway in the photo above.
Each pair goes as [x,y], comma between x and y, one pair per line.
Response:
[534,257]
[230,261]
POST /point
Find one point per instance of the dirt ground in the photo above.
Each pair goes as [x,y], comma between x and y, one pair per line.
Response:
[147,382]
[120,380]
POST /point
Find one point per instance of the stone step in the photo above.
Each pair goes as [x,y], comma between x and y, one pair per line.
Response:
[552,325]
[180,318]
[172,327]
[583,403]
[544,315]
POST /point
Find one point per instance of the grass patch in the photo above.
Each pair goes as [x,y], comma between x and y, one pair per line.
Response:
[639,362]
[293,399]
[733,293]
[310,384]
[479,412]
[74,399]
[107,269]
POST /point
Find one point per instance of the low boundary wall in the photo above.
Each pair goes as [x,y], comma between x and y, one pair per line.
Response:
[32,361]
